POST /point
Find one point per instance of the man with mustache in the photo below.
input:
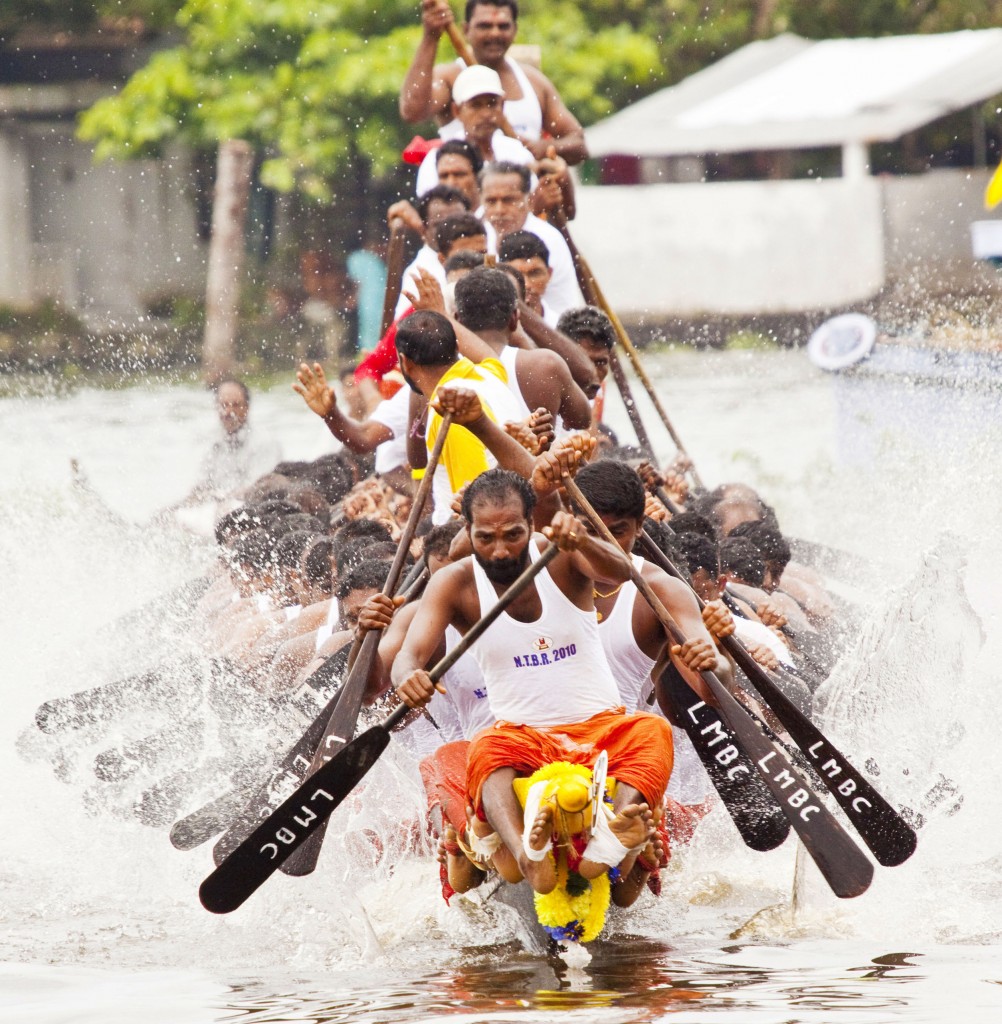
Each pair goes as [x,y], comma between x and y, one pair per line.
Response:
[532,104]
[548,682]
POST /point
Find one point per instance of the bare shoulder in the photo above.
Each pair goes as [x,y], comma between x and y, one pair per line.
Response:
[447,72]
[668,587]
[452,579]
[539,81]
[543,360]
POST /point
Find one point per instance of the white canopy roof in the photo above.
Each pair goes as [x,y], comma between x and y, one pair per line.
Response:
[792,93]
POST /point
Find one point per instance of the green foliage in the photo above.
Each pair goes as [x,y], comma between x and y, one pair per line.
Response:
[314,84]
[84,15]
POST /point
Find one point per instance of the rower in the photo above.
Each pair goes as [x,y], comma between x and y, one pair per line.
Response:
[476,103]
[487,304]
[532,104]
[548,683]
[431,365]
[505,189]
[636,643]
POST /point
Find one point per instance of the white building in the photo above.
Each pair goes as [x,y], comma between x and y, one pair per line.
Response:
[677,245]
[102,241]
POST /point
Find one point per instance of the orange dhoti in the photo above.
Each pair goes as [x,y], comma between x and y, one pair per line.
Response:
[639,749]
[444,776]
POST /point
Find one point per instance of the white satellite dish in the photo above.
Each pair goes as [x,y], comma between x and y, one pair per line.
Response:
[842,341]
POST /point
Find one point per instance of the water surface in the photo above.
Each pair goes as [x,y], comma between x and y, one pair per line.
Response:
[100,919]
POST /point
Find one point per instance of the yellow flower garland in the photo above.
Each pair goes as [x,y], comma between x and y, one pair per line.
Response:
[578,917]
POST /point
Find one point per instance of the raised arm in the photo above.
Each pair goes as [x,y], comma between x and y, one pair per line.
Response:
[425,93]
[363,436]
[567,135]
[574,408]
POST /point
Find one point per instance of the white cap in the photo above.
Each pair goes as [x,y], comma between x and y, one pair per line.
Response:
[476,80]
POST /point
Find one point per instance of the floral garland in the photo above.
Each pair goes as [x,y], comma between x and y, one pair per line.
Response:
[575,910]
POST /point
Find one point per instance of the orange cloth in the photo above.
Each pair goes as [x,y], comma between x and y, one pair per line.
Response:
[639,748]
[444,776]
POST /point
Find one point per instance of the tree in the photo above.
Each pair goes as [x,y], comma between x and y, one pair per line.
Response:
[18,17]
[314,86]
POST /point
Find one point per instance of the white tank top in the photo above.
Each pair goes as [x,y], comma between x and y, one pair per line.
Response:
[631,668]
[326,631]
[508,357]
[525,115]
[548,672]
[467,691]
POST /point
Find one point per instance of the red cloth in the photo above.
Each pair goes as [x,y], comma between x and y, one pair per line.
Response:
[639,748]
[383,357]
[444,776]
[418,148]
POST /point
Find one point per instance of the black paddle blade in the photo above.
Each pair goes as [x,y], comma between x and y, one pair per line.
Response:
[256,859]
[340,729]
[209,820]
[756,815]
[844,866]
[889,837]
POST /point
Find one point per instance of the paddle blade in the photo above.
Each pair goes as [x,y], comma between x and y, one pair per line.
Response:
[756,815]
[339,731]
[844,866]
[209,820]
[250,865]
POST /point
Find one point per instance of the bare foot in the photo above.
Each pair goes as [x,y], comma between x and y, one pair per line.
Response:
[504,862]
[540,874]
[632,826]
[631,884]
[463,873]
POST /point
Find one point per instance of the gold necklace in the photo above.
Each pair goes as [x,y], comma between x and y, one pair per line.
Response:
[612,593]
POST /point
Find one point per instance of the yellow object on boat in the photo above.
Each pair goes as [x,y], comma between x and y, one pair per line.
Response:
[993,194]
[575,910]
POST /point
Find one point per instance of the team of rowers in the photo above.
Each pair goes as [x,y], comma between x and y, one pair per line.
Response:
[569,670]
[493,344]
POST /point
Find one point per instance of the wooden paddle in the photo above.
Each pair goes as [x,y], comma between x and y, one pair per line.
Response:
[841,862]
[341,727]
[249,866]
[756,815]
[891,840]
[587,285]
[394,273]
[594,294]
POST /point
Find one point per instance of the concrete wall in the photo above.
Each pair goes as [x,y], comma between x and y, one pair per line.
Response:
[733,247]
[928,221]
[15,224]
[100,240]
[774,247]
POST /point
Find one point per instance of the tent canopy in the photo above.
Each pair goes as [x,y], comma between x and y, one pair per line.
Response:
[792,93]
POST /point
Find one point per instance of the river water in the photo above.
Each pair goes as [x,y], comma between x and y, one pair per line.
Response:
[100,918]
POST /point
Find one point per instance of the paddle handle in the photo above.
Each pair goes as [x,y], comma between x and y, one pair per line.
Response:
[410,528]
[394,274]
[594,294]
[478,629]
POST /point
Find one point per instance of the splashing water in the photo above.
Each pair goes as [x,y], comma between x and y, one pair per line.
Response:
[913,702]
